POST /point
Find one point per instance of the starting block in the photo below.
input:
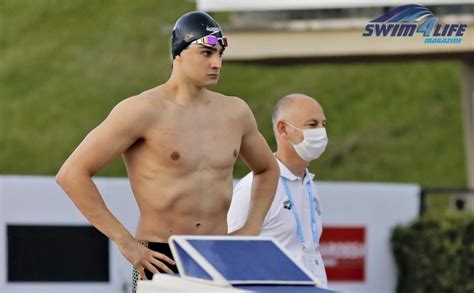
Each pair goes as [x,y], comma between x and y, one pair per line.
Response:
[231,264]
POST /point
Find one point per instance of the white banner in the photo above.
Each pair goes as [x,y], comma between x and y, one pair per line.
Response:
[357,217]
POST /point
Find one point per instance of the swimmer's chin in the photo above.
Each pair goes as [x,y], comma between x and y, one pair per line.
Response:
[211,82]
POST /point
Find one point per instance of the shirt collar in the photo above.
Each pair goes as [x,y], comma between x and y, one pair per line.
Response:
[285,172]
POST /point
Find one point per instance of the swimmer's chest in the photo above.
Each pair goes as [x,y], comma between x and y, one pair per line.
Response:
[183,142]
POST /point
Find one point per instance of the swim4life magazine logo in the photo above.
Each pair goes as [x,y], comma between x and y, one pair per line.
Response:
[411,19]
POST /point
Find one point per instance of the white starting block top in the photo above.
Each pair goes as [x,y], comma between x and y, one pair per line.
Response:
[231,264]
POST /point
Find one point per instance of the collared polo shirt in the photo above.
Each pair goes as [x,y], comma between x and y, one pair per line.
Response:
[279,221]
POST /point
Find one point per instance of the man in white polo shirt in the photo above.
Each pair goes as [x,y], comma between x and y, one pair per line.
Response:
[294,218]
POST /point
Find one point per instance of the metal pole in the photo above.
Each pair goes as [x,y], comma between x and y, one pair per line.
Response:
[468,109]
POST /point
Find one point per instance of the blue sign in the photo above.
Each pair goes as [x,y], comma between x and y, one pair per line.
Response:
[411,19]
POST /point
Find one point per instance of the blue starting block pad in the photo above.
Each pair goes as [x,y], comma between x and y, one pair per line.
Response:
[255,264]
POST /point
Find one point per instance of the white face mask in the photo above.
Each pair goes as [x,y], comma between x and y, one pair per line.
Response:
[313,145]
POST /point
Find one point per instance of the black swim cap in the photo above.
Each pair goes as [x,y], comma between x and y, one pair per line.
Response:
[190,27]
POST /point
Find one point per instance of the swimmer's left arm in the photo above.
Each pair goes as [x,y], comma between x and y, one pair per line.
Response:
[258,156]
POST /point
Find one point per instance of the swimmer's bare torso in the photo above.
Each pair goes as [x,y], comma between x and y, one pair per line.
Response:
[180,166]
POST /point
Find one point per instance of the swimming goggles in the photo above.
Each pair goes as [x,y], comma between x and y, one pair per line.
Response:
[211,41]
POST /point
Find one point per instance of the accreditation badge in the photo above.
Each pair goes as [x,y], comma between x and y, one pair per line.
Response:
[313,262]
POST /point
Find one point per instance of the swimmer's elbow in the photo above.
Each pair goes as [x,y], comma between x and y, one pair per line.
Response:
[62,177]
[271,170]
[59,178]
[67,175]
[276,168]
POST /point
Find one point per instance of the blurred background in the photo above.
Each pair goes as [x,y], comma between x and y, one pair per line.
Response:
[398,111]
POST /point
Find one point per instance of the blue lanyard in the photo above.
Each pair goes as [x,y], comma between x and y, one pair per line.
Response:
[311,200]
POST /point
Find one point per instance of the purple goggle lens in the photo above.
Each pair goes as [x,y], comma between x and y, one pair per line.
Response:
[211,41]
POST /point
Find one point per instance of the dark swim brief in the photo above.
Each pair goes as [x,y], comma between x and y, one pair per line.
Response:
[160,247]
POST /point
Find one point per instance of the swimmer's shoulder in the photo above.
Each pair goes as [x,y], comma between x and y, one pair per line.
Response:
[149,101]
[145,106]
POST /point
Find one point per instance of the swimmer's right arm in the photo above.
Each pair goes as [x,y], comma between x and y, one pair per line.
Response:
[124,125]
